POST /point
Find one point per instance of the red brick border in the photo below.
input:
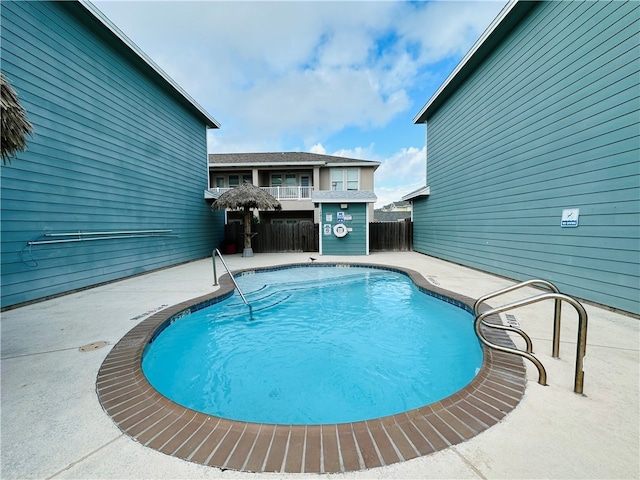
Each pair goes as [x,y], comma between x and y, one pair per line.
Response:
[156,422]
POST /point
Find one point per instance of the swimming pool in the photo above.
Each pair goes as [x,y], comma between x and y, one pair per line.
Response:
[320,345]
[156,422]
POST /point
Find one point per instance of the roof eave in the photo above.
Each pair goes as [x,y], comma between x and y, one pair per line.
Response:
[421,192]
[104,20]
[504,22]
[362,163]
[264,164]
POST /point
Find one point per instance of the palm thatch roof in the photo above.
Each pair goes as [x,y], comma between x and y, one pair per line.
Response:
[246,195]
[15,126]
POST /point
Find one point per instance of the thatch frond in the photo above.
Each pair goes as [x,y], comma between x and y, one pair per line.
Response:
[15,126]
[246,195]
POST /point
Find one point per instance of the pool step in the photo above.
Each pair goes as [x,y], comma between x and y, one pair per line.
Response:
[266,301]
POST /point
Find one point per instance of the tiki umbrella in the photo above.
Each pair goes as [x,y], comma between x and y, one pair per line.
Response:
[247,196]
[15,126]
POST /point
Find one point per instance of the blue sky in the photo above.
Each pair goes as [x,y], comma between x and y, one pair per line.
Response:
[332,77]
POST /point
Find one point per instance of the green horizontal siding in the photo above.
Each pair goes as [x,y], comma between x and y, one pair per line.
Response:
[114,149]
[355,242]
[550,120]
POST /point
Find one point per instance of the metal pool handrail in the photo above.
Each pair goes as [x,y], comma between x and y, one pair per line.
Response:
[542,374]
[527,339]
[215,276]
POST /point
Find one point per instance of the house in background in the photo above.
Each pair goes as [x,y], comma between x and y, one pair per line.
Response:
[111,182]
[533,152]
[291,177]
[393,212]
[401,206]
[380,215]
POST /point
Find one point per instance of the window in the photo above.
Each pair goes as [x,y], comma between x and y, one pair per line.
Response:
[304,183]
[290,180]
[337,179]
[352,179]
[276,180]
[345,179]
[234,181]
[220,182]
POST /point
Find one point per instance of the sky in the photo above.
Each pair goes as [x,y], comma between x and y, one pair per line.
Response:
[342,78]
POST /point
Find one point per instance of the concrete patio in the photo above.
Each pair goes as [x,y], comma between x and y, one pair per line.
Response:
[53,425]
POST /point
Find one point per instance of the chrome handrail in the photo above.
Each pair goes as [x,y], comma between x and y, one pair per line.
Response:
[527,339]
[92,236]
[542,374]
[215,276]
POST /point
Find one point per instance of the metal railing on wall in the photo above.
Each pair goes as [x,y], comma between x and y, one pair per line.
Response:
[70,237]
[89,236]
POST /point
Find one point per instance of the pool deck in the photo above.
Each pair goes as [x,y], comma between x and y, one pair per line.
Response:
[53,425]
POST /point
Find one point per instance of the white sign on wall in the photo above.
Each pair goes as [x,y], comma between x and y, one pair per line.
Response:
[570,217]
[327,229]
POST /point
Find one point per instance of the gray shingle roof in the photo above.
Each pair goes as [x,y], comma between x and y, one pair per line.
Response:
[337,196]
[380,216]
[284,157]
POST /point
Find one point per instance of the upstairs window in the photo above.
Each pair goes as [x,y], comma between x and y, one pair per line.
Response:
[291,180]
[234,181]
[337,179]
[345,179]
[352,179]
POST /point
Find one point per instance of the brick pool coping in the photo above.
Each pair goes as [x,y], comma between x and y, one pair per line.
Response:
[161,424]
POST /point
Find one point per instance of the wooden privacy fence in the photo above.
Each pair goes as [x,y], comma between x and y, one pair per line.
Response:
[274,237]
[304,237]
[391,236]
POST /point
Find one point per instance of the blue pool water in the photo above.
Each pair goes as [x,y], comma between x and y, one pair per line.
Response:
[323,345]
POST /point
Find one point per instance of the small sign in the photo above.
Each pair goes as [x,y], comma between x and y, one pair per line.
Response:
[570,217]
[340,216]
[512,321]
[348,217]
[326,229]
[328,217]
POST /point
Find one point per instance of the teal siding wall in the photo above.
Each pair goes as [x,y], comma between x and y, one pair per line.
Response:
[114,149]
[355,242]
[549,121]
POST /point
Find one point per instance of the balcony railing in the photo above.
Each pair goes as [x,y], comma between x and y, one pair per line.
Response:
[280,193]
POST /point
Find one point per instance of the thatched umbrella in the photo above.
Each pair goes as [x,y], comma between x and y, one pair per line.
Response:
[247,196]
[15,126]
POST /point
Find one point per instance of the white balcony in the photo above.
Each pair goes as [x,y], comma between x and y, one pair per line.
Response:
[280,193]
[289,193]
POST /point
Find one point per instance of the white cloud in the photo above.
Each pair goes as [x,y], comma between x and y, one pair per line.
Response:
[360,153]
[387,195]
[276,73]
[400,174]
[446,29]
[406,166]
[318,148]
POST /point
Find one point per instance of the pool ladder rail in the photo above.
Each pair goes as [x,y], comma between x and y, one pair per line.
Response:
[558,297]
[215,277]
